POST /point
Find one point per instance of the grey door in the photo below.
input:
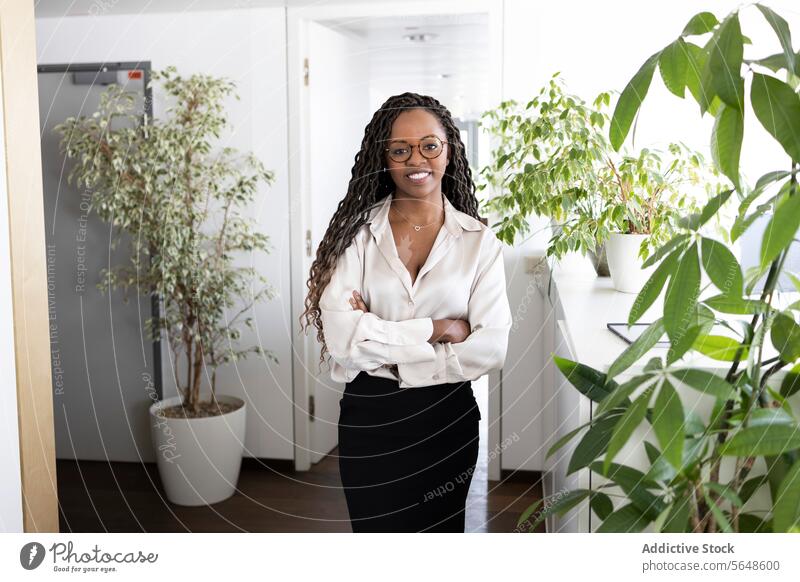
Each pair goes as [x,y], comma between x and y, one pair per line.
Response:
[103,365]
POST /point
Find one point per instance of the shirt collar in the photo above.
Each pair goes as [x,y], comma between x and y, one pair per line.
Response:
[454,220]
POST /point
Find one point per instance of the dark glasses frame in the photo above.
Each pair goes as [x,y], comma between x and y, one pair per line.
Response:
[412,146]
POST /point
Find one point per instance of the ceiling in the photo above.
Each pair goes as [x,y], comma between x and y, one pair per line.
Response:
[453,66]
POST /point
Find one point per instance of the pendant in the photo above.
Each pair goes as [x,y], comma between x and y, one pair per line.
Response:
[417,227]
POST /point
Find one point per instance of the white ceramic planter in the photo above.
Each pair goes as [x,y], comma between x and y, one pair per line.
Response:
[624,264]
[199,458]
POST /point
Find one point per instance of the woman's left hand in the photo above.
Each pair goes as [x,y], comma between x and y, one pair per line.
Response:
[358,302]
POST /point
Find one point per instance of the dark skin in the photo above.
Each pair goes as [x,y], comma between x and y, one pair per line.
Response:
[421,204]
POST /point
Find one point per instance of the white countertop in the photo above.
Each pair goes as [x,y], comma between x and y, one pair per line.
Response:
[590,302]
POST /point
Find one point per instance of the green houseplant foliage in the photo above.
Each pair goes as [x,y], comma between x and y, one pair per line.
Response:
[554,159]
[752,423]
[184,206]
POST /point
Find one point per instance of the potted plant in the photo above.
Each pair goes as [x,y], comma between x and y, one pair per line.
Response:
[545,162]
[184,206]
[553,159]
[734,464]
[647,194]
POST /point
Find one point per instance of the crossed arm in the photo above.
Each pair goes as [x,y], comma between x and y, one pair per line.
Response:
[423,348]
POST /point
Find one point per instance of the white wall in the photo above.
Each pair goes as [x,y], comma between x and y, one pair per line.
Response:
[249,47]
[598,46]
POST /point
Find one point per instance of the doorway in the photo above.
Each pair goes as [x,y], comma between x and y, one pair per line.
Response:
[344,62]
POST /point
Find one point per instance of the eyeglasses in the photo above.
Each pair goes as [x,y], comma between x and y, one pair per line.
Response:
[430,147]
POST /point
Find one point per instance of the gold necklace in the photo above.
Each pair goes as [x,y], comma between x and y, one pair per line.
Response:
[418,227]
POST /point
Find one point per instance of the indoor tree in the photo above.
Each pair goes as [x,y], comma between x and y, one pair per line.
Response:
[185,206]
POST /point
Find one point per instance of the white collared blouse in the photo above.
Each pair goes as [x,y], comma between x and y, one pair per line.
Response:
[462,278]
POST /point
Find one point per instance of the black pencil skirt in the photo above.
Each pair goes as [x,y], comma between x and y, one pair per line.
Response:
[407,455]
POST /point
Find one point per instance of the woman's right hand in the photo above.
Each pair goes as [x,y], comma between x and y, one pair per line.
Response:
[449,330]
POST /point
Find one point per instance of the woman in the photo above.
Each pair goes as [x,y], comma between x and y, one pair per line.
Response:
[408,295]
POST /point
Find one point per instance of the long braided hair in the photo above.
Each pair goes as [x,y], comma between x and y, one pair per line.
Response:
[369,185]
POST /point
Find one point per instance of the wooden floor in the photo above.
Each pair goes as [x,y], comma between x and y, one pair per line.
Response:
[98,496]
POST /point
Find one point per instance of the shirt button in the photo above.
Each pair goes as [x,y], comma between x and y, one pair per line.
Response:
[410,302]
[436,376]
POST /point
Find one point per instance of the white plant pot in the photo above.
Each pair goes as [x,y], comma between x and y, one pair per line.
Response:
[198,458]
[624,264]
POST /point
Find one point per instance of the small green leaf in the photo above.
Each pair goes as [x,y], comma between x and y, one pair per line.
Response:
[590,382]
[781,28]
[681,295]
[786,510]
[700,23]
[632,418]
[726,141]
[630,100]
[668,423]
[777,107]
[791,382]
[640,346]
[626,519]
[722,267]
[673,64]
[782,228]
[785,336]
[652,289]
[725,62]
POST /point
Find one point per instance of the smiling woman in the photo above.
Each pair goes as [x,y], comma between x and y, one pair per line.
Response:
[408,295]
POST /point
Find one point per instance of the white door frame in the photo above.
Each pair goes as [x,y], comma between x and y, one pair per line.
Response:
[299,192]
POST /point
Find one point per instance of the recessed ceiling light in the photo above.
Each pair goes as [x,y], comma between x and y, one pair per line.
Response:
[420,37]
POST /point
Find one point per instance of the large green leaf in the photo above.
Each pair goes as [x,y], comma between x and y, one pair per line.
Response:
[722,267]
[590,382]
[678,518]
[683,344]
[791,382]
[634,483]
[632,418]
[601,504]
[720,347]
[724,64]
[781,28]
[675,243]
[619,396]
[652,289]
[726,141]
[722,520]
[785,336]
[704,382]
[714,205]
[786,509]
[668,423]
[630,100]
[700,23]
[626,519]
[593,444]
[561,505]
[696,58]
[782,228]
[762,439]
[777,107]
[640,346]
[681,295]
[673,64]
[736,305]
